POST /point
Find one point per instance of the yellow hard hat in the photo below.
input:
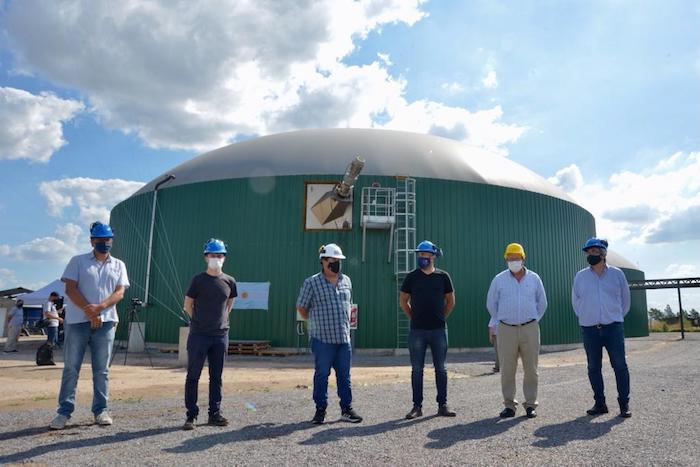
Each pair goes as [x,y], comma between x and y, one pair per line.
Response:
[514,249]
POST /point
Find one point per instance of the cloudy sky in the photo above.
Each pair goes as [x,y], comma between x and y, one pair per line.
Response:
[600,97]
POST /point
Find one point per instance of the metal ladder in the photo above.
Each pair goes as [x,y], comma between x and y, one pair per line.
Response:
[405,242]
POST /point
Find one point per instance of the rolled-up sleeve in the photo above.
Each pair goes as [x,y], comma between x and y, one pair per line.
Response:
[575,296]
[72,271]
[123,277]
[305,295]
[625,289]
[492,299]
[541,299]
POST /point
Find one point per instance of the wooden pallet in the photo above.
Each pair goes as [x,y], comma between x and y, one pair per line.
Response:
[248,347]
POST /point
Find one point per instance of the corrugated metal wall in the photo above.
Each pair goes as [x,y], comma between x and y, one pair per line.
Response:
[262,221]
[637,320]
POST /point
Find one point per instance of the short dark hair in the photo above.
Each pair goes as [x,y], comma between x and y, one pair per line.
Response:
[54,294]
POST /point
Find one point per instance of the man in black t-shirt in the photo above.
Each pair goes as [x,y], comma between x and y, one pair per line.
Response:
[427,298]
[208,302]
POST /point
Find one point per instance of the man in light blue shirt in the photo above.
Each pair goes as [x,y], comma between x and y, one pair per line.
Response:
[14,322]
[517,301]
[95,283]
[601,298]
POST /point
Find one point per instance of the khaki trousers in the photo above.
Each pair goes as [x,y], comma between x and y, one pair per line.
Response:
[523,342]
[12,338]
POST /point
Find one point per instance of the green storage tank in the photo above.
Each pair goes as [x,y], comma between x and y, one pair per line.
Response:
[257,195]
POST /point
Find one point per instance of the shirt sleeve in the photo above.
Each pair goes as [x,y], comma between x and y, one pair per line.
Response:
[123,277]
[541,299]
[72,271]
[576,295]
[234,289]
[625,294]
[406,285]
[448,284]
[305,295]
[192,291]
[47,307]
[493,323]
[492,299]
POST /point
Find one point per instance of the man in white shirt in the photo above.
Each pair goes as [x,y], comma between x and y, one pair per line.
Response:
[517,300]
[51,315]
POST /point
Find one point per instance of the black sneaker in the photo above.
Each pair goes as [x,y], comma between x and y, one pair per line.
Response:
[625,411]
[597,410]
[217,420]
[507,413]
[349,415]
[189,424]
[444,411]
[414,413]
[319,417]
[530,412]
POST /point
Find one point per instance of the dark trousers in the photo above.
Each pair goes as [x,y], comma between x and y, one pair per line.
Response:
[612,338]
[199,349]
[338,357]
[418,342]
[52,335]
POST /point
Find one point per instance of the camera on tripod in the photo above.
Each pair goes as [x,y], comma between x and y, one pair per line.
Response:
[136,302]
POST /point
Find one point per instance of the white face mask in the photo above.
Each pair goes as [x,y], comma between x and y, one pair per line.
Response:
[515,266]
[215,263]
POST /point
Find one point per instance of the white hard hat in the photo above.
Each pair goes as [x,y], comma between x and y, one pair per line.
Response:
[330,251]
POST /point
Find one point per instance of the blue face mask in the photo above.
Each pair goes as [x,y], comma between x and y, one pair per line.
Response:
[103,247]
[423,262]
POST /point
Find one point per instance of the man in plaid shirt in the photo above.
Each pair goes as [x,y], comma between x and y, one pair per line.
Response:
[324,300]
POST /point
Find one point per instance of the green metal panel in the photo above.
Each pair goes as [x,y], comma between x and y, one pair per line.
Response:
[637,320]
[262,219]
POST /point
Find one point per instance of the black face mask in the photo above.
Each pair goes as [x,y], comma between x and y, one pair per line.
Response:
[594,259]
[334,267]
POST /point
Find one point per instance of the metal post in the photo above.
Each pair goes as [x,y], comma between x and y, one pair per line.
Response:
[150,237]
[680,312]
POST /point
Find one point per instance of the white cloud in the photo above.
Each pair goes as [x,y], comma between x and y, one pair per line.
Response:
[658,204]
[31,126]
[196,75]
[452,88]
[681,270]
[93,198]
[490,81]
[568,179]
[8,278]
[59,247]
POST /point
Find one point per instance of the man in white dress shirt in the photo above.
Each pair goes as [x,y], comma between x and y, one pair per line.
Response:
[517,300]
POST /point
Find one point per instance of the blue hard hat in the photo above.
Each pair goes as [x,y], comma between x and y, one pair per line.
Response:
[595,242]
[428,247]
[100,230]
[214,245]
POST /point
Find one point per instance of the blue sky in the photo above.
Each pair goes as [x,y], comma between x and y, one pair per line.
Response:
[602,98]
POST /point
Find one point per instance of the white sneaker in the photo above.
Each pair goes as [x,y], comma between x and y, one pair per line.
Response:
[103,419]
[59,422]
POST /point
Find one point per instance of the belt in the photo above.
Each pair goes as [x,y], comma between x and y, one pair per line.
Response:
[601,326]
[517,325]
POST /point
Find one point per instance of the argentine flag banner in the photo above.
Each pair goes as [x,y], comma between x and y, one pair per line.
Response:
[252,296]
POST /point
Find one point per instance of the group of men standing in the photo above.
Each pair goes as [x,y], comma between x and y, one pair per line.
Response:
[95,282]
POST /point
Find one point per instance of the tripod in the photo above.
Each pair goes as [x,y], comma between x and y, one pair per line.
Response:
[133,318]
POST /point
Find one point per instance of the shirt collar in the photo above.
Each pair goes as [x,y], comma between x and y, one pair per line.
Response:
[94,258]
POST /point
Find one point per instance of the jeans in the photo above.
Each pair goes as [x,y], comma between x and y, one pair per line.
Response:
[418,342]
[612,337]
[338,357]
[79,337]
[201,348]
[52,335]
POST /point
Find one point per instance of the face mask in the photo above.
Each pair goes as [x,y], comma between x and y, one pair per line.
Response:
[423,262]
[215,263]
[103,247]
[515,266]
[334,267]
[594,259]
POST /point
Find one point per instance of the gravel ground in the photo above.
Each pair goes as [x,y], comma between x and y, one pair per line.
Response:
[272,428]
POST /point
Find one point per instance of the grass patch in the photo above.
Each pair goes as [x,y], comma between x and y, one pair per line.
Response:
[662,326]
